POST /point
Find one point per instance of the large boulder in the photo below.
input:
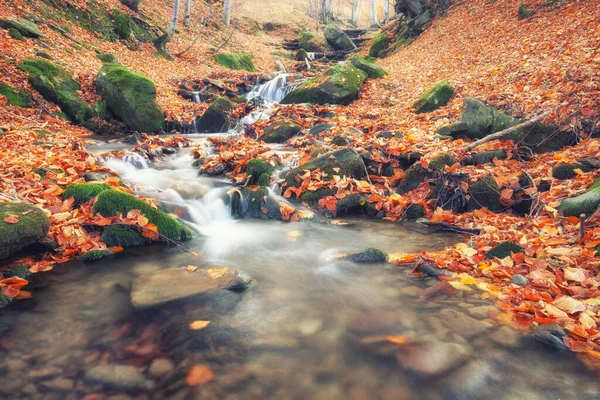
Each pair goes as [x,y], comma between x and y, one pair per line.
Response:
[337,39]
[338,85]
[417,174]
[131,97]
[379,46]
[485,193]
[372,70]
[586,203]
[436,97]
[26,224]
[344,162]
[310,42]
[280,131]
[217,118]
[236,61]
[256,202]
[25,28]
[57,86]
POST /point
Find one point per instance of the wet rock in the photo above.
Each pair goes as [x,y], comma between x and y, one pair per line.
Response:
[412,291]
[161,367]
[433,359]
[505,336]
[468,382]
[503,250]
[173,284]
[519,280]
[44,373]
[119,377]
[190,189]
[371,255]
[256,203]
[431,270]
[481,312]
[363,325]
[550,335]
[280,131]
[462,324]
[59,384]
[309,327]
[315,130]
[15,365]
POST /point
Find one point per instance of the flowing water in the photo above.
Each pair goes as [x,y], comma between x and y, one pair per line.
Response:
[313,325]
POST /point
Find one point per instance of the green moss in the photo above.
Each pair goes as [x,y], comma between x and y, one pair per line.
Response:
[247,203]
[310,42]
[122,24]
[258,169]
[107,58]
[343,162]
[504,250]
[370,255]
[372,70]
[436,97]
[31,227]
[23,26]
[123,236]
[380,45]
[413,177]
[95,255]
[485,157]
[567,171]
[444,160]
[18,270]
[130,96]
[236,61]
[313,197]
[56,85]
[485,193]
[586,203]
[15,34]
[414,211]
[217,117]
[280,131]
[523,12]
[111,202]
[84,192]
[20,99]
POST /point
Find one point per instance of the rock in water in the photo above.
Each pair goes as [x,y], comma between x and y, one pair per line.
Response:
[176,283]
[130,96]
[432,359]
[337,39]
[119,377]
[462,324]
[371,255]
[217,118]
[31,225]
[280,131]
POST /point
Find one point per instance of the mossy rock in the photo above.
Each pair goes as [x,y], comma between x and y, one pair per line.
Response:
[84,192]
[259,171]
[413,177]
[4,300]
[123,236]
[25,27]
[482,120]
[455,130]
[302,55]
[443,160]
[485,157]
[310,42]
[372,70]
[586,203]
[339,140]
[217,117]
[337,38]
[370,255]
[523,12]
[504,250]
[414,212]
[57,86]
[95,255]
[280,131]
[15,34]
[343,162]
[340,84]
[436,97]
[131,97]
[248,203]
[312,197]
[485,193]
[32,227]
[19,99]
[542,138]
[122,24]
[111,202]
[107,58]
[567,171]
[236,61]
[379,46]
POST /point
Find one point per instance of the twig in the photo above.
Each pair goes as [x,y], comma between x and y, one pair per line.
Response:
[225,42]
[208,13]
[506,132]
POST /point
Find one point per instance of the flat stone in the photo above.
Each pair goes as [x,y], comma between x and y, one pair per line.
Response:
[161,367]
[481,312]
[120,377]
[59,384]
[433,359]
[173,284]
[462,324]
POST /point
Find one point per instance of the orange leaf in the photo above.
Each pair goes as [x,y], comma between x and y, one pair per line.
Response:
[198,375]
[11,219]
[199,325]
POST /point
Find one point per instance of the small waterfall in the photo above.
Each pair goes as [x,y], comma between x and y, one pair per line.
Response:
[196,97]
[311,56]
[274,90]
[136,159]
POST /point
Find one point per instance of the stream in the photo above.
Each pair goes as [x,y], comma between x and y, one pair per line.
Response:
[312,325]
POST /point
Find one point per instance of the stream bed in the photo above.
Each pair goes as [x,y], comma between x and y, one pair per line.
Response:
[312,325]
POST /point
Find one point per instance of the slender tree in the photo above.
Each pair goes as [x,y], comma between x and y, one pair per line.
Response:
[354,11]
[161,42]
[373,9]
[188,12]
[227,12]
[386,10]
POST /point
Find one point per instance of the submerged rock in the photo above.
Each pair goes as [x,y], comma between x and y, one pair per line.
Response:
[462,324]
[550,335]
[173,284]
[337,38]
[371,255]
[31,226]
[119,377]
[131,97]
[433,359]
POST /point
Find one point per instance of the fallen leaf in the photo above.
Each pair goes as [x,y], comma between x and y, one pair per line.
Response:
[198,375]
[199,325]
[11,219]
[216,273]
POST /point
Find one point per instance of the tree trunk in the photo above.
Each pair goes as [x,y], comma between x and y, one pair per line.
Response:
[386,10]
[161,42]
[227,12]
[188,12]
[354,12]
[373,12]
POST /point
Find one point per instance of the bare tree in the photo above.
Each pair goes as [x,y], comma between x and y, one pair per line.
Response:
[227,12]
[188,12]
[161,42]
[354,11]
[373,12]
[202,26]
[386,10]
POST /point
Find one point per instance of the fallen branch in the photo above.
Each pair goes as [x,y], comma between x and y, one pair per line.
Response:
[450,227]
[506,132]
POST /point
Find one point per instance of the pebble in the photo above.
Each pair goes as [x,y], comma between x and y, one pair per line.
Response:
[520,280]
[412,291]
[160,368]
[469,381]
[120,377]
[59,384]
[433,359]
[462,324]
[505,336]
[309,327]
[481,312]
[43,373]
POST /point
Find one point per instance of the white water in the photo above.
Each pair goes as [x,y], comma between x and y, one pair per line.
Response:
[274,90]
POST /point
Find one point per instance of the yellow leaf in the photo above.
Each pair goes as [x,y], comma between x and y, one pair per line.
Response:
[199,325]
[484,266]
[216,273]
[467,279]
[191,268]
[293,235]
[459,286]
